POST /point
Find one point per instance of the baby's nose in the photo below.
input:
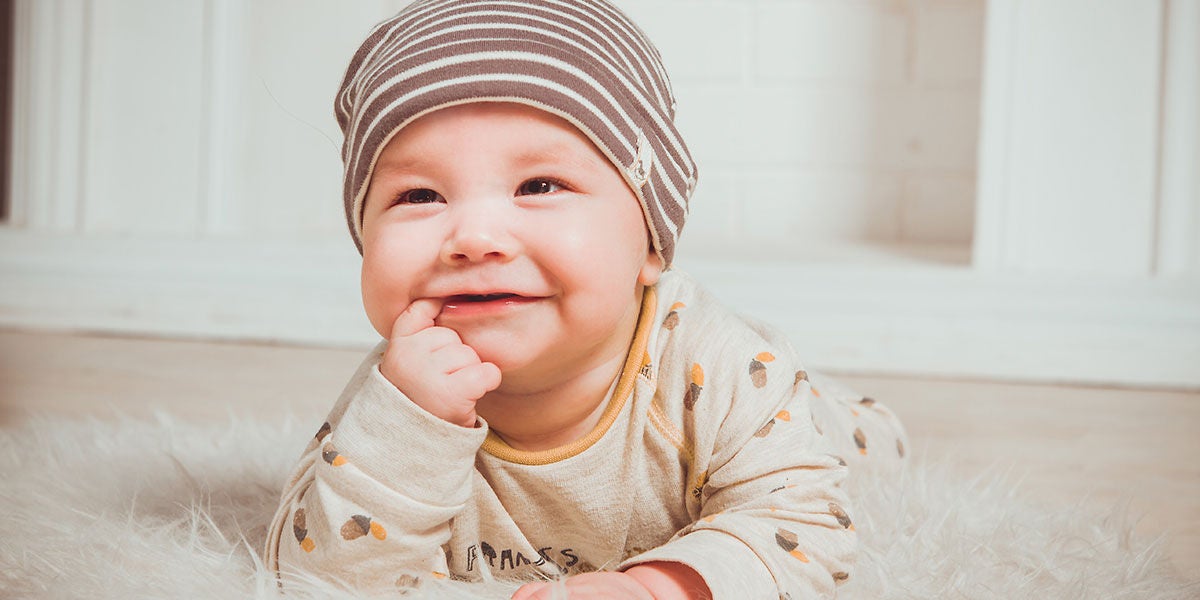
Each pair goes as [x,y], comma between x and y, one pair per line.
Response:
[479,235]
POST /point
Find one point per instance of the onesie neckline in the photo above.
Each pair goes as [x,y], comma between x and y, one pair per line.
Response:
[634,362]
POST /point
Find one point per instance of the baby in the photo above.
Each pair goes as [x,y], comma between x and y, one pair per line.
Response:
[552,400]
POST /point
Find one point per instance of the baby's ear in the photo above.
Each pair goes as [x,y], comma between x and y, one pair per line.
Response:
[652,269]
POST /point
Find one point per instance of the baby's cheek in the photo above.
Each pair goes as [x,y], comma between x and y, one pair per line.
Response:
[383,299]
[376,313]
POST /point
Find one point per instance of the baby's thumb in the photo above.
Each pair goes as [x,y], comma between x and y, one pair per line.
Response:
[418,316]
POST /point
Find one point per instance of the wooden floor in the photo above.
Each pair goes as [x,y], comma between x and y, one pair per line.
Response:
[1104,445]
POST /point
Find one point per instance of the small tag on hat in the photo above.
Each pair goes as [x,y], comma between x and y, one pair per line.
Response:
[639,171]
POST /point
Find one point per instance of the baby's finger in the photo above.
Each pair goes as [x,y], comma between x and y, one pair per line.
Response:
[432,339]
[473,381]
[452,357]
[417,317]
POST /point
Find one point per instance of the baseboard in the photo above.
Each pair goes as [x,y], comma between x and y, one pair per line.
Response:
[905,317]
[229,289]
[951,321]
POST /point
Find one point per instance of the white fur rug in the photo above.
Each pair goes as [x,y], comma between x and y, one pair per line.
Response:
[170,509]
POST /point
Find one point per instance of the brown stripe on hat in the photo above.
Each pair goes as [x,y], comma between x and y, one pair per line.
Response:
[582,60]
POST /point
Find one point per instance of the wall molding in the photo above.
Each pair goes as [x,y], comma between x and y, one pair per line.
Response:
[225,52]
[882,318]
[50,82]
[1178,251]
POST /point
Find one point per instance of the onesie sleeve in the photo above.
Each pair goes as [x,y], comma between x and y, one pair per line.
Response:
[369,505]
[771,517]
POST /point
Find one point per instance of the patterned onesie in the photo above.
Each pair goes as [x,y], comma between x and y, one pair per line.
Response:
[716,449]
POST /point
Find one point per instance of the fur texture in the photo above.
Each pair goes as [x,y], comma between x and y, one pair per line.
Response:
[156,509]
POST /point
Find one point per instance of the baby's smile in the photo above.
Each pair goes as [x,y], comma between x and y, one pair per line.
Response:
[490,304]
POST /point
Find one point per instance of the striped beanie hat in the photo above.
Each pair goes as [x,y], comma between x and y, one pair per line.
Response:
[582,60]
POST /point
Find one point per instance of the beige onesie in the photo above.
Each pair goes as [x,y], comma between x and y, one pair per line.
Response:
[716,449]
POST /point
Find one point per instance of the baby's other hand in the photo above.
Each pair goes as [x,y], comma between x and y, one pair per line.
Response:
[647,581]
[600,585]
[433,367]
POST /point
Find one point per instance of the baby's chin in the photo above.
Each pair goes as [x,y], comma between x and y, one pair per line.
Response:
[521,373]
[511,354]
[537,355]
[513,369]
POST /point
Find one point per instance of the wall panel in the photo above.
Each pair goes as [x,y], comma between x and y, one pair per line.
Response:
[143,135]
[1071,137]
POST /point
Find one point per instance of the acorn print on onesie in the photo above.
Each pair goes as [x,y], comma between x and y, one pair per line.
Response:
[697,384]
[843,519]
[360,525]
[782,415]
[789,542]
[672,318]
[860,440]
[331,456]
[300,529]
[758,368]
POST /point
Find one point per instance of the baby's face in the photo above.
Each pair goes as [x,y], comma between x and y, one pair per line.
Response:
[514,221]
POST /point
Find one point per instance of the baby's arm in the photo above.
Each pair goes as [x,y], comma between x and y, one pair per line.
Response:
[771,515]
[369,505]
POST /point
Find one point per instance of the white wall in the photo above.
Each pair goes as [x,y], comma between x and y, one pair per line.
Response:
[825,120]
[177,173]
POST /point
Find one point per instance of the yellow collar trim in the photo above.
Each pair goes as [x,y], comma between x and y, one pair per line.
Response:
[633,365]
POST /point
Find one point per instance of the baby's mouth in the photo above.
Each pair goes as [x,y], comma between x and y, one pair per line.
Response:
[463,298]
[480,305]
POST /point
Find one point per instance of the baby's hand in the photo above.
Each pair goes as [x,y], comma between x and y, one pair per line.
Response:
[601,585]
[647,581]
[434,368]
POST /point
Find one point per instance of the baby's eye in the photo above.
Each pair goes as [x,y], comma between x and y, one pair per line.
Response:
[539,186]
[419,196]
